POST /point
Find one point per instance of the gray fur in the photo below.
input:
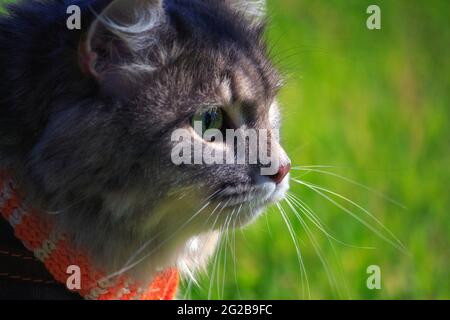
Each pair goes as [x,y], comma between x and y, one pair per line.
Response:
[94,149]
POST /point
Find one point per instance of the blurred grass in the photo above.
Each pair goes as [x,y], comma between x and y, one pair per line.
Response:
[375,104]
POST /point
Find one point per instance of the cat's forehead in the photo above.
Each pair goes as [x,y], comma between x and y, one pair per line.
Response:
[221,47]
[199,77]
[246,89]
[244,79]
[209,58]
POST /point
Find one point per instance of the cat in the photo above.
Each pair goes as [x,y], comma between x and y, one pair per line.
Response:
[86,118]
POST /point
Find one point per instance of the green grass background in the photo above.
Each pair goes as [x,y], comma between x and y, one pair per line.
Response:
[376,105]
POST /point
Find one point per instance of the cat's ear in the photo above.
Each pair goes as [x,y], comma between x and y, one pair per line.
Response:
[117,34]
[253,9]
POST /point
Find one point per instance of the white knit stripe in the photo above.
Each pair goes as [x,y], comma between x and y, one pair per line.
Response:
[16,216]
[5,194]
[125,290]
[48,246]
[103,286]
[94,294]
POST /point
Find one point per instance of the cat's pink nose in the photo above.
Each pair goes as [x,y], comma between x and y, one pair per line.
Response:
[283,170]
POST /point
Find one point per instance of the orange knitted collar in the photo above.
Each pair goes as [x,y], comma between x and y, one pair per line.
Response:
[57,254]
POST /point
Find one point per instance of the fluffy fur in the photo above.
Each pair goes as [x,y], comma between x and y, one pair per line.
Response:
[86,118]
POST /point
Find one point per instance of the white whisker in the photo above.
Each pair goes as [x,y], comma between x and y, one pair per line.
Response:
[396,243]
[303,274]
[309,213]
[356,183]
[316,246]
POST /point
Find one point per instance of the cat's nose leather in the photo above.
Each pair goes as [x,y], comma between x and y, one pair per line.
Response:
[283,170]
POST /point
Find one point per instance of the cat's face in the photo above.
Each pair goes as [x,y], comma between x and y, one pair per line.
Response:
[204,62]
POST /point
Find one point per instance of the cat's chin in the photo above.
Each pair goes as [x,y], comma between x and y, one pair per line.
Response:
[184,231]
[241,210]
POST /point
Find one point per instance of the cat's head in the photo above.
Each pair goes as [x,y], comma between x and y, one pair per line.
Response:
[157,67]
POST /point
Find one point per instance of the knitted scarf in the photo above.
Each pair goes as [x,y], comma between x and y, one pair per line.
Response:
[57,254]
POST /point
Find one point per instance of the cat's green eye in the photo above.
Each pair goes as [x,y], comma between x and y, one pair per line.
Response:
[210,119]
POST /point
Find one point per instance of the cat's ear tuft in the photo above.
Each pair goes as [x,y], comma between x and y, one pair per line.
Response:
[253,9]
[117,34]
